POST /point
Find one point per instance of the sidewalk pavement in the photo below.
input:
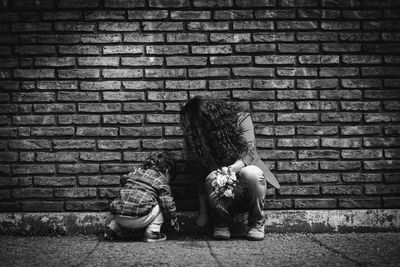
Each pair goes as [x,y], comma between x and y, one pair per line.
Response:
[289,249]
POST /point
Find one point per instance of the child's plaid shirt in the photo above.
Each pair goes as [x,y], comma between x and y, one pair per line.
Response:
[144,189]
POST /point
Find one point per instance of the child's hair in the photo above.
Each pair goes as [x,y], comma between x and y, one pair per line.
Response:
[162,162]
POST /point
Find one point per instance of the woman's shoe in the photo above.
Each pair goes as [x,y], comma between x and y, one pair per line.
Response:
[154,237]
[222,233]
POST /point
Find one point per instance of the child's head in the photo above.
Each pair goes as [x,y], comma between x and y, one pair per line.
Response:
[162,162]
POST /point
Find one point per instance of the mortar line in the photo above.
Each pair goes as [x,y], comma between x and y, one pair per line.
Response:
[341,254]
[88,255]
[213,253]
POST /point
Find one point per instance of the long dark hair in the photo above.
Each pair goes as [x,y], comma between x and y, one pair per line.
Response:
[211,131]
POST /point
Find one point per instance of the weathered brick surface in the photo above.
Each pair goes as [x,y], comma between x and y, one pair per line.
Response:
[90,88]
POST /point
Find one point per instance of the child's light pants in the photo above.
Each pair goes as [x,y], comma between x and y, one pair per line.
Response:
[153,221]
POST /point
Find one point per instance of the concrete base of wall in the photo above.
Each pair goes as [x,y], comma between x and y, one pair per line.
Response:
[71,223]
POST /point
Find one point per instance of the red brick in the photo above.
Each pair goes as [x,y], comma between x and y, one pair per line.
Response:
[233,14]
[30,144]
[274,37]
[362,154]
[159,96]
[341,190]
[99,180]
[230,37]
[141,131]
[299,190]
[123,119]
[123,96]
[117,144]
[87,205]
[78,168]
[391,202]
[229,84]
[162,118]
[144,107]
[54,108]
[73,144]
[100,156]
[143,38]
[147,14]
[292,117]
[341,117]
[315,203]
[319,178]
[96,131]
[78,119]
[296,94]
[75,192]
[99,107]
[273,105]
[254,48]
[253,94]
[79,73]
[298,48]
[317,105]
[33,119]
[186,37]
[57,157]
[296,25]
[122,73]
[253,25]
[252,71]
[382,189]
[118,168]
[382,164]
[278,204]
[101,38]
[361,177]
[209,72]
[54,181]
[212,49]
[277,154]
[41,206]
[79,49]
[145,85]
[340,165]
[33,97]
[380,142]
[165,73]
[33,193]
[340,94]
[318,154]
[298,165]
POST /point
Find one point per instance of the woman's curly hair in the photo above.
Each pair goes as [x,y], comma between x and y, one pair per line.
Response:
[211,131]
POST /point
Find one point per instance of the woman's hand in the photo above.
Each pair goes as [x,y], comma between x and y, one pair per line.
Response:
[237,166]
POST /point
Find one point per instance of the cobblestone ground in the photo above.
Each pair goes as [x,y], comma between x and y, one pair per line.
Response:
[361,249]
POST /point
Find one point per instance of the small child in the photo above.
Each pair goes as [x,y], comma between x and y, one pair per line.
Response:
[144,199]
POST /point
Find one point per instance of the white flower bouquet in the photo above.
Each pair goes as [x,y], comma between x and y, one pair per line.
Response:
[224,183]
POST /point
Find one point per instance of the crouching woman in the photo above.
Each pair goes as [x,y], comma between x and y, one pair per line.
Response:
[219,134]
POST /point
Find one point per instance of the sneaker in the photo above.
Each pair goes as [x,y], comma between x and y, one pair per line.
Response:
[256,233]
[222,233]
[154,237]
[109,234]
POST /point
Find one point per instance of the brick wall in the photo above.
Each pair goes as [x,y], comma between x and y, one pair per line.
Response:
[90,87]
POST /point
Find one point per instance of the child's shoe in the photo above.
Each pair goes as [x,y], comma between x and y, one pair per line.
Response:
[109,234]
[154,237]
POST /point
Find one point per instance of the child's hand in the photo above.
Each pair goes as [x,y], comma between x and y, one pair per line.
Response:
[175,224]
